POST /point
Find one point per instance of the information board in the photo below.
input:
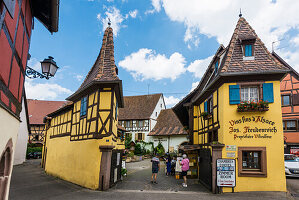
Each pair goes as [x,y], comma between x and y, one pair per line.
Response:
[226,173]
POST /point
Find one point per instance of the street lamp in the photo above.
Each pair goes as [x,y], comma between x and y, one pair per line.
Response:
[49,69]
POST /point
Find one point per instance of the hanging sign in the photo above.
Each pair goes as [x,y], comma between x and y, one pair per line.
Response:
[226,173]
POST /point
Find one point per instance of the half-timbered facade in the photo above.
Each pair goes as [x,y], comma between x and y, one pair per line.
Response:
[37,110]
[139,115]
[235,113]
[83,144]
[16,23]
[289,88]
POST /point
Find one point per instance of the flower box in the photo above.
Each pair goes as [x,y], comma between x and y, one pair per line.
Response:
[260,106]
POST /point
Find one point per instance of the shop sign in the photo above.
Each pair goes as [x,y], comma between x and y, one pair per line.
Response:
[230,154]
[252,128]
[231,148]
[226,173]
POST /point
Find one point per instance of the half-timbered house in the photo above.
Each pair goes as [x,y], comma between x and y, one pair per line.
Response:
[139,115]
[168,131]
[16,23]
[289,88]
[83,144]
[235,113]
[37,110]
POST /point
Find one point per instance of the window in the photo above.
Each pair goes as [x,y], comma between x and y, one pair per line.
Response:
[128,124]
[156,114]
[285,100]
[210,106]
[250,93]
[83,108]
[248,50]
[161,105]
[216,65]
[139,137]
[140,123]
[116,109]
[252,161]
[290,125]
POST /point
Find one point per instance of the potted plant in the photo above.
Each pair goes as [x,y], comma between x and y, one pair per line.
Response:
[205,115]
[251,106]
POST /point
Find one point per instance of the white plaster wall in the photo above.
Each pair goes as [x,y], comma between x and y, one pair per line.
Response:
[173,141]
[158,108]
[9,130]
[21,145]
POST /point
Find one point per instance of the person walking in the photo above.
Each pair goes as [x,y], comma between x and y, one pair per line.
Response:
[155,168]
[168,165]
[185,167]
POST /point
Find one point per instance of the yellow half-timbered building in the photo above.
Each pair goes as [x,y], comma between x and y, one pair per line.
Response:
[83,144]
[235,113]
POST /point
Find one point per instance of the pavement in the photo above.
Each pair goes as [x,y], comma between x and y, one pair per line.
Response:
[30,182]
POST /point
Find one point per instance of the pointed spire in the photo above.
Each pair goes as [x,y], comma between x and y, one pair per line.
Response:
[104,68]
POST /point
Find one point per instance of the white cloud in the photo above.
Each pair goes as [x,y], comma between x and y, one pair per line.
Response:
[295,40]
[115,17]
[194,85]
[157,7]
[198,67]
[292,58]
[79,77]
[171,101]
[215,18]
[45,91]
[34,64]
[147,64]
[133,13]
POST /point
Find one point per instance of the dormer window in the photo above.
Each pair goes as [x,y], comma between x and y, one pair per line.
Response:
[247,42]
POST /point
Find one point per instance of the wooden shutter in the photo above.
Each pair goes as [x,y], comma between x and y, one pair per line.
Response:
[206,106]
[10,6]
[295,99]
[234,94]
[136,137]
[268,92]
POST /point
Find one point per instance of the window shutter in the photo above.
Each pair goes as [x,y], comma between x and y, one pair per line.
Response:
[295,99]
[206,106]
[136,137]
[234,94]
[268,92]
[143,136]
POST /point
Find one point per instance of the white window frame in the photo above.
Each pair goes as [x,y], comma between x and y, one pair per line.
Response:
[246,95]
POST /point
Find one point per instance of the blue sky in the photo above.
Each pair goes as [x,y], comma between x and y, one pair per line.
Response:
[163,44]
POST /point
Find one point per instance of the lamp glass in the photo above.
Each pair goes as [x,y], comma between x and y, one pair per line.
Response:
[45,67]
[53,69]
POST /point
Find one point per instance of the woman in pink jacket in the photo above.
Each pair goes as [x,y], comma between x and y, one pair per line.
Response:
[185,167]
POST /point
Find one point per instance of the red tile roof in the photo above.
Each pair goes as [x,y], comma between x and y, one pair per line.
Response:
[38,109]
[263,60]
[167,124]
[138,107]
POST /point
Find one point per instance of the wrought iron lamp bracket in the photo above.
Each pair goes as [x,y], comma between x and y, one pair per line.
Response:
[31,73]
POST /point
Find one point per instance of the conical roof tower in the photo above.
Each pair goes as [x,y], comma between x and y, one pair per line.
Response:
[104,72]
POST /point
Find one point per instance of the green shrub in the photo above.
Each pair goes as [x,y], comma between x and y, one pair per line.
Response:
[131,154]
[34,149]
[128,140]
[159,149]
[123,171]
[138,150]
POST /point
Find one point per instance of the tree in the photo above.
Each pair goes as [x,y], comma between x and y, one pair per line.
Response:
[128,140]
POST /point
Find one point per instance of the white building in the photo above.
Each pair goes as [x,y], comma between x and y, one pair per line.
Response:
[22,139]
[169,131]
[139,115]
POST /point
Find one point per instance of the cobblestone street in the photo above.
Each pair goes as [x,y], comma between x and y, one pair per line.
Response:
[30,182]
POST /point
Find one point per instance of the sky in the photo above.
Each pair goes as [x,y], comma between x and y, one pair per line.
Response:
[160,46]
